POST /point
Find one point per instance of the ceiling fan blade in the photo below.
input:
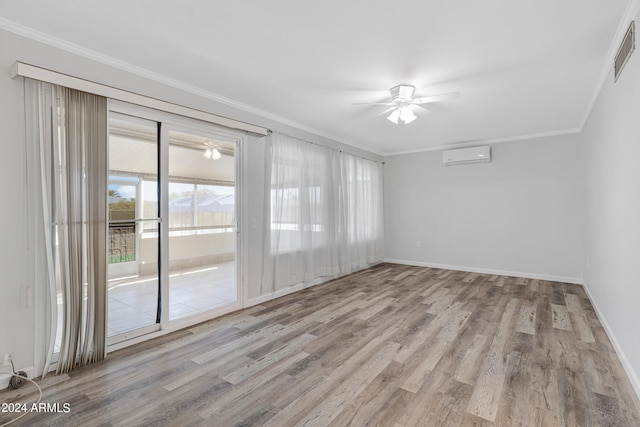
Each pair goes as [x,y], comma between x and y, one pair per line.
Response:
[385,112]
[373,103]
[423,109]
[436,98]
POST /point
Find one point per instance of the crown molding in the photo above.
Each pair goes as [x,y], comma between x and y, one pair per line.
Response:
[64,45]
[472,143]
[110,61]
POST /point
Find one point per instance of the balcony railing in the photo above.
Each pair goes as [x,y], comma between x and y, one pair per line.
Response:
[122,242]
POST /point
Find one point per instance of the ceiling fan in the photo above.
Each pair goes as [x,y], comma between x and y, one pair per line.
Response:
[402,99]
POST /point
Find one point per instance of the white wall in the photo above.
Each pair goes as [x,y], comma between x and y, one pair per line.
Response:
[17,322]
[612,223]
[21,332]
[520,214]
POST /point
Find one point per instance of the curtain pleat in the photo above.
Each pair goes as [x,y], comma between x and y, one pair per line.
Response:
[323,213]
[73,150]
[83,181]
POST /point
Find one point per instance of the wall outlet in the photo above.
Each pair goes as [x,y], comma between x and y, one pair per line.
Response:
[418,243]
[7,360]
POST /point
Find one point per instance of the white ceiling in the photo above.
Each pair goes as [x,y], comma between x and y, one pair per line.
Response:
[523,67]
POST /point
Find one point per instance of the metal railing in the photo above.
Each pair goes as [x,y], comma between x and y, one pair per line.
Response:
[122,242]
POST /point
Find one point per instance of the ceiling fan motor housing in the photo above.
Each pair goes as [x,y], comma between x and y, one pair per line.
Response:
[402,93]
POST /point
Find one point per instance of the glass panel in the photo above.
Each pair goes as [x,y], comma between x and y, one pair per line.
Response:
[122,215]
[202,271]
[215,205]
[133,224]
[181,205]
[150,208]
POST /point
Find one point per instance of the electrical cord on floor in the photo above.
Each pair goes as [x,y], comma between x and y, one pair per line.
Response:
[14,374]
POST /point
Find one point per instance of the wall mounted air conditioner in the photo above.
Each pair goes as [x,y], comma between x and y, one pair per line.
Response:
[463,156]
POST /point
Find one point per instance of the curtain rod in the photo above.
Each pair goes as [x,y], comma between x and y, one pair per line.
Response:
[325,146]
[54,77]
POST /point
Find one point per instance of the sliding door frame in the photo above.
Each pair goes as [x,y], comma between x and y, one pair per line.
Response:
[170,122]
[209,131]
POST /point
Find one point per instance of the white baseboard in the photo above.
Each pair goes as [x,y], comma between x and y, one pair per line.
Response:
[631,374]
[286,291]
[280,293]
[547,277]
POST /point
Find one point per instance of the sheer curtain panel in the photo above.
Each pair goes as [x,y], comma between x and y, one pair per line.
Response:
[323,211]
[360,237]
[72,144]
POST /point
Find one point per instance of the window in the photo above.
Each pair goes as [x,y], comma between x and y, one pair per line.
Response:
[200,206]
[182,205]
[122,215]
[299,183]
[325,213]
[215,205]
[194,208]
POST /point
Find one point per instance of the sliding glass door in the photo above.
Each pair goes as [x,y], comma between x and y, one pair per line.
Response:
[202,235]
[133,234]
[172,223]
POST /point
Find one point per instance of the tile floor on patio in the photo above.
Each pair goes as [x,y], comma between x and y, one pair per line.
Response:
[132,301]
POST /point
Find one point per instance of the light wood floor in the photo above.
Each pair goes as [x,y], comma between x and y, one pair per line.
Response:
[390,346]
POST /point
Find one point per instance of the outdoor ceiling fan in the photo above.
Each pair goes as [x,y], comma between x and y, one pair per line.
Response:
[402,99]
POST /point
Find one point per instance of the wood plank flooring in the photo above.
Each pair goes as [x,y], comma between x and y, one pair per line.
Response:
[392,346]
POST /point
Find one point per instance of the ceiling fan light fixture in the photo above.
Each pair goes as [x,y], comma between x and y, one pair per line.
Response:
[211,151]
[394,116]
[406,114]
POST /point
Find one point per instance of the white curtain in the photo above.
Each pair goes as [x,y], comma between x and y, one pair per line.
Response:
[72,145]
[323,211]
[359,211]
